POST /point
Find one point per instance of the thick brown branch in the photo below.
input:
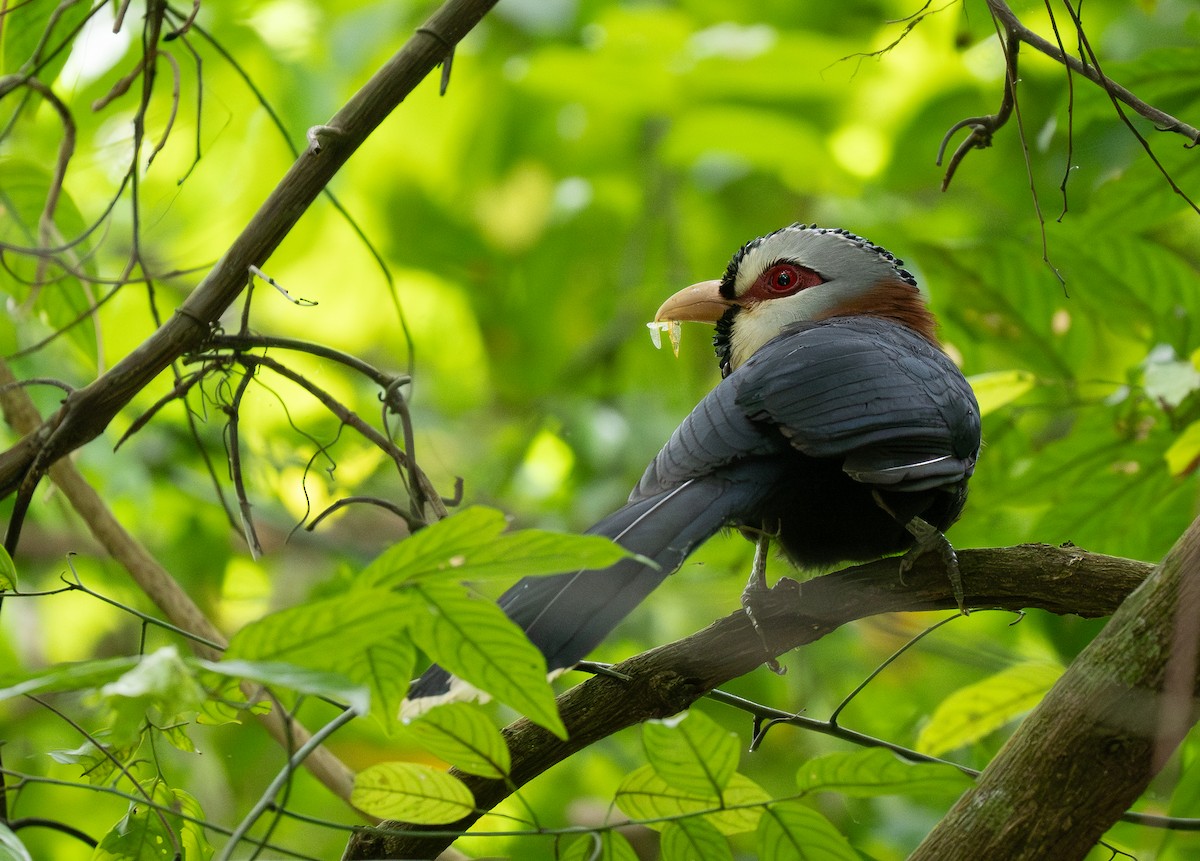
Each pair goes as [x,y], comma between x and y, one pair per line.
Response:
[88,411]
[668,679]
[1092,745]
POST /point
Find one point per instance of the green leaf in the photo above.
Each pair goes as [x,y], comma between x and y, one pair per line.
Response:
[792,832]
[301,679]
[162,682]
[146,833]
[77,676]
[694,840]
[226,702]
[601,846]
[876,771]
[1183,454]
[11,847]
[691,752]
[411,792]
[8,572]
[22,34]
[531,552]
[385,669]
[439,547]
[473,639]
[645,796]
[996,389]
[46,294]
[470,544]
[463,736]
[325,634]
[973,712]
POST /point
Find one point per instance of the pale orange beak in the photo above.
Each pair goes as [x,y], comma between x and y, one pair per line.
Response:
[701,303]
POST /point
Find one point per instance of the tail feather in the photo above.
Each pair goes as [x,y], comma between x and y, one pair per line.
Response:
[567,615]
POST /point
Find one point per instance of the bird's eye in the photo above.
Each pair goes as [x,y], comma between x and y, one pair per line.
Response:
[784,279]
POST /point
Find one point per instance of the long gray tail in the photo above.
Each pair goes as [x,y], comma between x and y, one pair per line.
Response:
[567,615]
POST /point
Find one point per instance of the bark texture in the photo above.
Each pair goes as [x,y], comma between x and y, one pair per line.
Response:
[1090,748]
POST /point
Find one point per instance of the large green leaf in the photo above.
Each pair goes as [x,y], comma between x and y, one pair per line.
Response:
[691,752]
[411,792]
[645,796]
[23,34]
[470,546]
[603,846]
[694,839]
[789,831]
[876,771]
[473,639]
[385,668]
[462,735]
[8,571]
[301,679]
[82,675]
[326,634]
[42,291]
[971,713]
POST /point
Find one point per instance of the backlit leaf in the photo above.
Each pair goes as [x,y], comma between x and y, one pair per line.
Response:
[8,571]
[411,792]
[643,795]
[691,752]
[473,639]
[326,633]
[979,709]
[996,389]
[472,545]
[600,846]
[694,839]
[876,771]
[793,832]
[462,735]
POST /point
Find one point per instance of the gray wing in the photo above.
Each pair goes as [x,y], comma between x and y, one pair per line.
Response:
[887,403]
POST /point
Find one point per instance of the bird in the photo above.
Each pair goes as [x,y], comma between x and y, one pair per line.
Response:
[840,431]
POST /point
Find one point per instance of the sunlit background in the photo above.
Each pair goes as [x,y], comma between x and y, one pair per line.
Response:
[506,243]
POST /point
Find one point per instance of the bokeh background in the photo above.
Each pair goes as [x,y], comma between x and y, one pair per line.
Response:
[589,158]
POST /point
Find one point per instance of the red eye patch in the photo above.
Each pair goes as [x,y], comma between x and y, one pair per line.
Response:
[783,279]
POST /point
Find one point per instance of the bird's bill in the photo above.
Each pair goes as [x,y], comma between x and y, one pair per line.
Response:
[701,303]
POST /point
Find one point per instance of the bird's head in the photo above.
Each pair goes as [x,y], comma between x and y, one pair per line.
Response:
[796,274]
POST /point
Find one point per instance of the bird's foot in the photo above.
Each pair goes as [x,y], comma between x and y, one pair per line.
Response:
[930,538]
[755,592]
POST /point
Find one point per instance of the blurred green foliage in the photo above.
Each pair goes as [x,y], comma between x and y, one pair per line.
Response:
[589,158]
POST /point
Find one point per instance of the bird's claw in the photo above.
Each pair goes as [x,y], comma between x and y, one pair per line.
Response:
[756,590]
[929,537]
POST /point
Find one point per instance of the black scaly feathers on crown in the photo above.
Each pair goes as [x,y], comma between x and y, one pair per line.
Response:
[722,338]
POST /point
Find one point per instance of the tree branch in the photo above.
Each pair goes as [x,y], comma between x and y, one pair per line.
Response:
[667,680]
[1092,745]
[161,588]
[1164,121]
[87,412]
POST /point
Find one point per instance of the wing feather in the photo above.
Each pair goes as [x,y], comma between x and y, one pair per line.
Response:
[869,392]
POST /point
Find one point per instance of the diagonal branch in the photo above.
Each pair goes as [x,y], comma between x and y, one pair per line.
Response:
[158,584]
[667,680]
[87,412]
[1164,121]
[1092,745]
